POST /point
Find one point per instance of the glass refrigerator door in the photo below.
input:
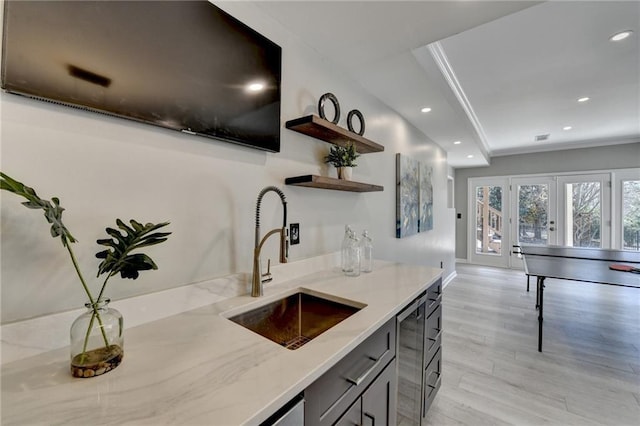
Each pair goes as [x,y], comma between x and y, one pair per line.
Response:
[410,354]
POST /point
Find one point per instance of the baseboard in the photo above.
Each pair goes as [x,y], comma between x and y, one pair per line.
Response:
[449,278]
[461,260]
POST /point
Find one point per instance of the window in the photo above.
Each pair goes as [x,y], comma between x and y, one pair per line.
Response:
[631,215]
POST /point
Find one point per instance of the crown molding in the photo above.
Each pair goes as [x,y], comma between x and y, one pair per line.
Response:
[439,56]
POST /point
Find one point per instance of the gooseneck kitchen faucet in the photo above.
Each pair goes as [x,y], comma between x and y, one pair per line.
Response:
[257,276]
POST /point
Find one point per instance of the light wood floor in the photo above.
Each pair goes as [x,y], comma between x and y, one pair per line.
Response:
[587,374]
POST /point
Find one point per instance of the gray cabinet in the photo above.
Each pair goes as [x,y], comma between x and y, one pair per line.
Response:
[377,405]
[379,401]
[391,378]
[340,389]
[432,380]
[419,355]
[433,346]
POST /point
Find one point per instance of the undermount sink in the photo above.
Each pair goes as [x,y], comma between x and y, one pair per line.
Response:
[295,320]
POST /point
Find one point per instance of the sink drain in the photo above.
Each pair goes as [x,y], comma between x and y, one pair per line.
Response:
[296,342]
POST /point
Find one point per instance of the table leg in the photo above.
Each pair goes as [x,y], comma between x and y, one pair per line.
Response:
[528,283]
[540,291]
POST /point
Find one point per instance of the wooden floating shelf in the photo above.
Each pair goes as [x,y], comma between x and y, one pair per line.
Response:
[314,126]
[323,182]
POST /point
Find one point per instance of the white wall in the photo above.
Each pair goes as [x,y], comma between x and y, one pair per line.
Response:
[103,168]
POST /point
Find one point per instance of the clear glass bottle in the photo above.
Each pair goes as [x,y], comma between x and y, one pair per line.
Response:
[97,340]
[344,248]
[352,260]
[366,250]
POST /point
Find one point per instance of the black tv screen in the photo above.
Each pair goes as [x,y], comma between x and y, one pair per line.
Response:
[183,65]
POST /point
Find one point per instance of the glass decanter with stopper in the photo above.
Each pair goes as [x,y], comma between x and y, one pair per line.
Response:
[366,249]
[352,255]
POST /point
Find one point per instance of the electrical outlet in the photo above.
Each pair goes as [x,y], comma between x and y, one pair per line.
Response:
[294,233]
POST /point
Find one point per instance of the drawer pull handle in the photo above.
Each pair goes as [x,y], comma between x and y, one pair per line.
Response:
[433,388]
[437,335]
[437,373]
[364,375]
[436,300]
[428,395]
[435,385]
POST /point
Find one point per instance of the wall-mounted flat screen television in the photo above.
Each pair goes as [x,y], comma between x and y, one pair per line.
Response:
[183,65]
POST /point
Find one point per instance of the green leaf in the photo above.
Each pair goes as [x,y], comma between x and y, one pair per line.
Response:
[118,257]
[52,209]
[128,230]
[342,156]
[117,235]
[32,204]
[134,263]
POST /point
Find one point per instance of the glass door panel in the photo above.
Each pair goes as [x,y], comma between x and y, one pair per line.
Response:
[631,215]
[585,218]
[584,214]
[533,212]
[489,220]
[488,237]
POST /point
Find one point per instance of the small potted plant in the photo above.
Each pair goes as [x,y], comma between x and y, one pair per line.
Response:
[343,158]
[97,340]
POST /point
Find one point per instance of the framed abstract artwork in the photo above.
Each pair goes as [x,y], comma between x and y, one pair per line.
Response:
[414,196]
[425,222]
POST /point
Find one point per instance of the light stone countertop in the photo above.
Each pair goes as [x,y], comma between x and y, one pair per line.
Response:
[198,368]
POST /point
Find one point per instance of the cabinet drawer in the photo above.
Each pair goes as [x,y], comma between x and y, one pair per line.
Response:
[332,394]
[433,334]
[434,296]
[432,380]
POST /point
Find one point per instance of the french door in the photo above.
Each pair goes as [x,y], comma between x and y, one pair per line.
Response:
[488,226]
[571,210]
[533,213]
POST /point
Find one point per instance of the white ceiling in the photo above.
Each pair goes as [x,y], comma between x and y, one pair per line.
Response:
[500,73]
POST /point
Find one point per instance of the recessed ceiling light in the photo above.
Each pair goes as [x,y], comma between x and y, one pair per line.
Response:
[457,143]
[470,156]
[255,87]
[426,109]
[584,99]
[567,128]
[620,36]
